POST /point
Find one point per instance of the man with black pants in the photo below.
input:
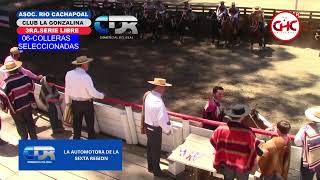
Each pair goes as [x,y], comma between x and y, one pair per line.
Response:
[79,91]
[19,94]
[156,121]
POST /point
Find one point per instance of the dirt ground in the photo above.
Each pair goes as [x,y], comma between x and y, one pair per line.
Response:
[282,80]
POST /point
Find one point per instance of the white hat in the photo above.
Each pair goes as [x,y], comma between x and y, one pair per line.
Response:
[313,114]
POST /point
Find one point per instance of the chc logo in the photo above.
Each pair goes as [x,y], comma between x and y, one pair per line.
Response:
[39,154]
[127,22]
[285,26]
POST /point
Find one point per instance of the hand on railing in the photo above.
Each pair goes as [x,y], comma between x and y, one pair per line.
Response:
[182,116]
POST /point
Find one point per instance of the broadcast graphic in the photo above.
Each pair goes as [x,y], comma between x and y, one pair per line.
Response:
[106,26]
[70,155]
[52,30]
[159,89]
[285,26]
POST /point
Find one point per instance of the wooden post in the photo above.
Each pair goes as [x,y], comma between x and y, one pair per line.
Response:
[132,125]
[126,128]
[245,11]
[310,17]
[185,129]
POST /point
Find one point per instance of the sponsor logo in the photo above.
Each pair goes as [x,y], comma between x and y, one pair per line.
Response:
[39,154]
[285,26]
[116,27]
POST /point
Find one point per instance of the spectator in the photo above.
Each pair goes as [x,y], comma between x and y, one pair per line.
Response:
[79,92]
[50,97]
[212,109]
[19,90]
[155,120]
[274,164]
[15,56]
[311,129]
[235,145]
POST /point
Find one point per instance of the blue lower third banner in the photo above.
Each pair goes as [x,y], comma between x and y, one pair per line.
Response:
[48,42]
[70,155]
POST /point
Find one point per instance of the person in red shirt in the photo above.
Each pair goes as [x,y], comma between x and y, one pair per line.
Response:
[235,145]
[213,110]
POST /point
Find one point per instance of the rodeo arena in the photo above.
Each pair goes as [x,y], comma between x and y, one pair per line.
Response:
[203,91]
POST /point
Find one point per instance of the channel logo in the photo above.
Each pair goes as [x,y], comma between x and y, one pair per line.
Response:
[285,26]
[103,25]
[39,154]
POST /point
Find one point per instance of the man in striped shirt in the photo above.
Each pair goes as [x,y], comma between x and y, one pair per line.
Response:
[235,145]
[19,90]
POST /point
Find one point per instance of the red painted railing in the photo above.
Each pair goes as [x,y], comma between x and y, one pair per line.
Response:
[182,116]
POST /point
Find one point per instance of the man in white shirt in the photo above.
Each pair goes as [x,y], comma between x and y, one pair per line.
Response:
[156,121]
[80,92]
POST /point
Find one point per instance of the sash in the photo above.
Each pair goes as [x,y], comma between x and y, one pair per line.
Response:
[143,124]
[48,92]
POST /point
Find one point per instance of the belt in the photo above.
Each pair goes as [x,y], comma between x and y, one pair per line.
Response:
[80,99]
[152,128]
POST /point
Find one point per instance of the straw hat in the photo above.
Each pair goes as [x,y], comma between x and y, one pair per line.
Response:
[15,50]
[82,60]
[159,82]
[313,114]
[256,8]
[11,65]
[238,111]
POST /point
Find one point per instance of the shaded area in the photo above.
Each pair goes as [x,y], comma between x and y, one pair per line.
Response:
[121,69]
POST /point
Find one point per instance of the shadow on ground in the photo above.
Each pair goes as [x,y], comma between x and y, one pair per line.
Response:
[121,69]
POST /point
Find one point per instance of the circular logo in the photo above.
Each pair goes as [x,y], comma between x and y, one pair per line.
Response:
[285,26]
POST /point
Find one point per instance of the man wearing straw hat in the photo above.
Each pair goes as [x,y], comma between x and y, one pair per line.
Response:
[234,13]
[19,90]
[221,10]
[15,56]
[156,121]
[79,92]
[258,15]
[311,129]
[235,145]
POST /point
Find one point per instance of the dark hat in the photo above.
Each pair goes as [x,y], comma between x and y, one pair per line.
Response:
[238,111]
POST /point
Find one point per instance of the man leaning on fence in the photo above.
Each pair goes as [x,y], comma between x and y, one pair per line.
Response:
[235,145]
[79,91]
[19,90]
[155,120]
